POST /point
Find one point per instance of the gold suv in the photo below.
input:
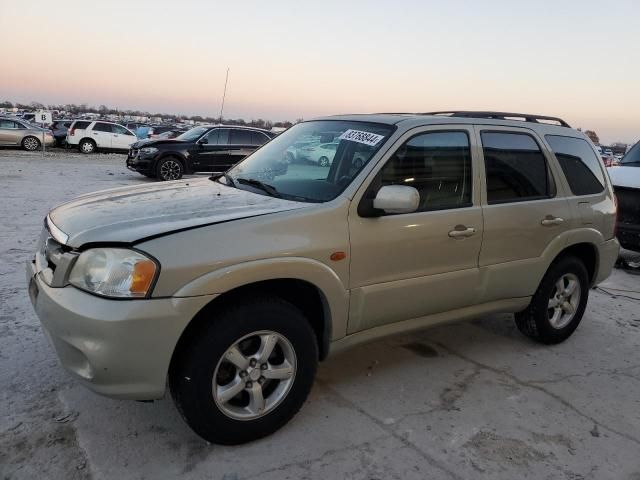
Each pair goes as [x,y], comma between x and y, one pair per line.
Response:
[233,287]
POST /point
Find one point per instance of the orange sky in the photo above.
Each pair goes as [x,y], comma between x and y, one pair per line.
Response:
[577,60]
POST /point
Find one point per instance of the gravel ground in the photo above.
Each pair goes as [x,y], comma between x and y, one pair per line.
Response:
[471,400]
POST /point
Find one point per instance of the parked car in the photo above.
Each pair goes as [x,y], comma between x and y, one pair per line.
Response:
[29,117]
[60,128]
[156,130]
[201,149]
[626,182]
[321,154]
[230,289]
[90,136]
[17,132]
[609,160]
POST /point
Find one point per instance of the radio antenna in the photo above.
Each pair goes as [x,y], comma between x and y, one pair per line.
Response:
[224,94]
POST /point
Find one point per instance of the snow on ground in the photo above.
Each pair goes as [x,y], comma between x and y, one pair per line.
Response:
[473,400]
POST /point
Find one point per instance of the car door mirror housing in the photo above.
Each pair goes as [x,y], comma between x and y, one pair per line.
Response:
[202,141]
[397,199]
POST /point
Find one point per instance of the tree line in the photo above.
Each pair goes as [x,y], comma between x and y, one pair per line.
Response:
[105,110]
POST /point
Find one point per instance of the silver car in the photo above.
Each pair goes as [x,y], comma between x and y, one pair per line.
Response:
[14,132]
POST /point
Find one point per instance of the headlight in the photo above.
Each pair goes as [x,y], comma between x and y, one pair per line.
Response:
[148,150]
[114,272]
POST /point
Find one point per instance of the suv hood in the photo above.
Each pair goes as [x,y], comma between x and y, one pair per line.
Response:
[130,214]
[148,142]
[622,176]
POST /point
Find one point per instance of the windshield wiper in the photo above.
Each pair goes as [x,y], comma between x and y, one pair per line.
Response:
[227,177]
[262,186]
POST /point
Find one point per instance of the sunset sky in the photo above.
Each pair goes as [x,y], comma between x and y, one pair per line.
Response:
[291,59]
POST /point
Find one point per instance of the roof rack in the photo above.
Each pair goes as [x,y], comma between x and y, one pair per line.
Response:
[526,117]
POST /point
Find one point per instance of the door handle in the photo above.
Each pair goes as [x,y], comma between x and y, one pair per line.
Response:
[550,221]
[462,231]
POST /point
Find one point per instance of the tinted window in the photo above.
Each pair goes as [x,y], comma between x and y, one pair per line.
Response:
[438,165]
[633,156]
[258,138]
[81,125]
[240,137]
[8,124]
[218,136]
[515,167]
[102,127]
[579,164]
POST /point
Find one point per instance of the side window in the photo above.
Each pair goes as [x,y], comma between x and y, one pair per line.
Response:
[102,127]
[438,165]
[81,125]
[579,164]
[120,130]
[240,137]
[8,124]
[218,136]
[258,138]
[516,168]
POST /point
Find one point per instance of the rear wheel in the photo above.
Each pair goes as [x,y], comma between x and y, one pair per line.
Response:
[169,169]
[87,146]
[557,307]
[31,144]
[246,373]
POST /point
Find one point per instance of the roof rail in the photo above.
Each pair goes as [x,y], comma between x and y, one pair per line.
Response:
[526,117]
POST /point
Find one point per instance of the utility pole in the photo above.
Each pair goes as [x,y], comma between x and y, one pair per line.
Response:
[224,94]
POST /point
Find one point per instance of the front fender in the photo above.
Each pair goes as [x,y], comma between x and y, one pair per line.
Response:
[314,272]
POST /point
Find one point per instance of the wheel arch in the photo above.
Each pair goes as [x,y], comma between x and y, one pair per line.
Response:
[587,252]
[178,156]
[308,284]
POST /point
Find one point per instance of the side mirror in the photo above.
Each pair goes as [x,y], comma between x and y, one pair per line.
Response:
[397,199]
[202,141]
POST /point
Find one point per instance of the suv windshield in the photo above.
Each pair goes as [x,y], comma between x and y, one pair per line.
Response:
[193,134]
[297,165]
[632,157]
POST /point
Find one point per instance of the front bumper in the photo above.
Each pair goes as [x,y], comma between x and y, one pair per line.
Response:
[139,162]
[608,254]
[118,348]
[629,236]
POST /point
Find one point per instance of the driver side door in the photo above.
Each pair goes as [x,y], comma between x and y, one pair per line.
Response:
[122,138]
[410,265]
[211,151]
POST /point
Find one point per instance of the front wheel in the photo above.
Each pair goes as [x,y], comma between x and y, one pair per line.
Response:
[557,307]
[169,169]
[246,373]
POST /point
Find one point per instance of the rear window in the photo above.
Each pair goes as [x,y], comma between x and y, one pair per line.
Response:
[579,164]
[81,125]
[516,168]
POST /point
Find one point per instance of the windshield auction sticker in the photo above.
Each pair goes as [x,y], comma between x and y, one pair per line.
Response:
[367,138]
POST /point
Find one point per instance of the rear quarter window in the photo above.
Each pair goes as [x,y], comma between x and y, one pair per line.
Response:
[579,163]
[81,125]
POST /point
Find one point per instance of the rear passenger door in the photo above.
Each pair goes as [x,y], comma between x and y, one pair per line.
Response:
[524,210]
[240,145]
[102,134]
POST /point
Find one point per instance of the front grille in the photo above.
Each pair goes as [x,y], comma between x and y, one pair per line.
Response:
[628,205]
[53,260]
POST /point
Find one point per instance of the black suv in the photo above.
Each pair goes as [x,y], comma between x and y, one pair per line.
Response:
[201,149]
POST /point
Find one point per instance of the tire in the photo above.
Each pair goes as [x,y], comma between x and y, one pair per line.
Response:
[87,146]
[202,362]
[548,318]
[31,144]
[169,168]
[323,161]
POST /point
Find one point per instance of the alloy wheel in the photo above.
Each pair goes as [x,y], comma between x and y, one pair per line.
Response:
[564,300]
[170,170]
[254,375]
[31,143]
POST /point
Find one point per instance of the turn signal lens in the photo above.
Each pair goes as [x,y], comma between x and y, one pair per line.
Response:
[142,277]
